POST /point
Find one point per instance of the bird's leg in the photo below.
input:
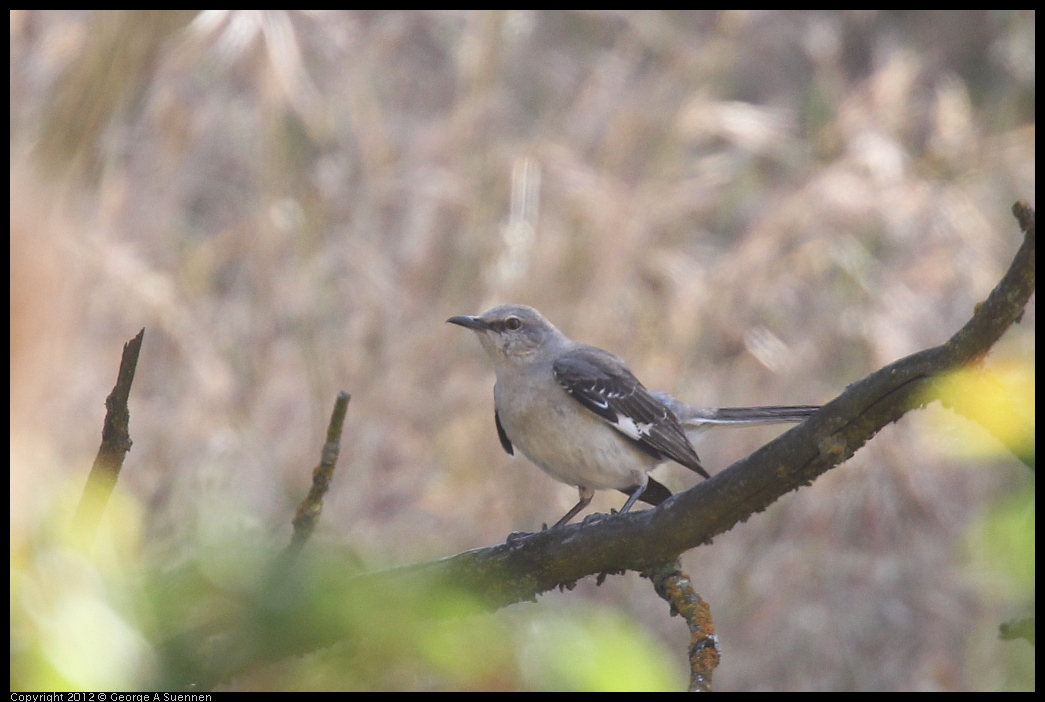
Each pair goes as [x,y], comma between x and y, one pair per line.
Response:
[635,495]
[586,494]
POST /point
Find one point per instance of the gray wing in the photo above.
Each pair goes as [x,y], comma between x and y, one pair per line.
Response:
[601,382]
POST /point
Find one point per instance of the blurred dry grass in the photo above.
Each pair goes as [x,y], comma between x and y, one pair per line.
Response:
[752,208]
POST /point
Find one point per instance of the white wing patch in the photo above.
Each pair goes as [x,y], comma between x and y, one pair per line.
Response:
[628,427]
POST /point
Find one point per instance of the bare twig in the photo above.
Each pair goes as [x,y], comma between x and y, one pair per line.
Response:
[311,507]
[675,587]
[116,442]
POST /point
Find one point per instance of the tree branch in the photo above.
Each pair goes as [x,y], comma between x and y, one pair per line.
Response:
[527,565]
[116,442]
[310,508]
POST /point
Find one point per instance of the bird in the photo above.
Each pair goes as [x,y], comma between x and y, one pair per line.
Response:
[578,413]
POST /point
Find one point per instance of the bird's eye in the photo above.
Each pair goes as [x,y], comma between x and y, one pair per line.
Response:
[513,323]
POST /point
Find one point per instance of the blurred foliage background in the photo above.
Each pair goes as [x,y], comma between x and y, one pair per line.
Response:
[750,207]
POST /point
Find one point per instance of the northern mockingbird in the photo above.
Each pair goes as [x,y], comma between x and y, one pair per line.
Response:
[579,414]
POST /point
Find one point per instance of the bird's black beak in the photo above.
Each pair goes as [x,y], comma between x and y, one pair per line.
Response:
[471,322]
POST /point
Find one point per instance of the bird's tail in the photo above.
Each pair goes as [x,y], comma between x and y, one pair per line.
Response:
[698,419]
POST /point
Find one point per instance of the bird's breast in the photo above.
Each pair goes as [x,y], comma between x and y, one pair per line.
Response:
[569,442]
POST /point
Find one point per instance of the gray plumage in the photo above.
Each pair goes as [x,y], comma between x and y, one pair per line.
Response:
[578,413]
